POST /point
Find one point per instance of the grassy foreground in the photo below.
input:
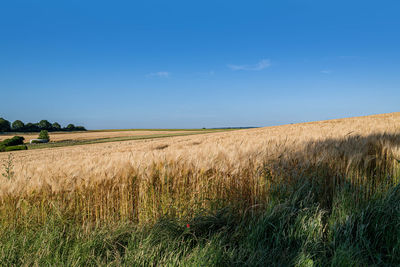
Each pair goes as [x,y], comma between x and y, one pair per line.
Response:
[292,231]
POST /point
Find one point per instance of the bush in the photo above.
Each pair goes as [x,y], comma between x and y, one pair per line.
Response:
[39,141]
[2,148]
[16,140]
[44,135]
[14,148]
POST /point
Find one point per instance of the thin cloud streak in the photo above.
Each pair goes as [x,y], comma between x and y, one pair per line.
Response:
[265,63]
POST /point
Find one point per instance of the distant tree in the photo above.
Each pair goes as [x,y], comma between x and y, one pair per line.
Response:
[31,127]
[70,127]
[80,128]
[4,125]
[44,134]
[44,125]
[56,126]
[18,126]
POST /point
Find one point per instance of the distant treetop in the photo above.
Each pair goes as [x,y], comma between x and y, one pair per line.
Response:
[4,125]
[19,126]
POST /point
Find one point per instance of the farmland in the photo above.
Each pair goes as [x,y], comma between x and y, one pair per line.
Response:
[88,135]
[311,193]
[59,139]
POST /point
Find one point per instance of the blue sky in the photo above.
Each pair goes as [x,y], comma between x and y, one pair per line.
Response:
[190,64]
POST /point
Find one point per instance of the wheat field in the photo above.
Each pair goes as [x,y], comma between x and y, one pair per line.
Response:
[146,179]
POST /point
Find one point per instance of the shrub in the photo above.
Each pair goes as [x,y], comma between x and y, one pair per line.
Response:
[44,135]
[39,141]
[14,148]
[2,148]
[16,140]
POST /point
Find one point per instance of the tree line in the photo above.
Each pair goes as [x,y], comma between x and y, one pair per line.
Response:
[19,126]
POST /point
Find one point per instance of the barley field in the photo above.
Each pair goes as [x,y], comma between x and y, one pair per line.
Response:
[252,171]
[178,172]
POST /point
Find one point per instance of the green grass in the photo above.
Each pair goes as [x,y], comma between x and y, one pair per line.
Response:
[295,231]
[113,139]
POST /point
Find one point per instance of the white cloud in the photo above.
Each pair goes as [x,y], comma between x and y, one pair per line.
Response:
[326,71]
[160,74]
[265,63]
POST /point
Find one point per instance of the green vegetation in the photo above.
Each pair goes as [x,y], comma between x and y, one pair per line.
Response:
[19,126]
[291,231]
[56,126]
[44,135]
[4,125]
[11,144]
[16,140]
[8,167]
[14,148]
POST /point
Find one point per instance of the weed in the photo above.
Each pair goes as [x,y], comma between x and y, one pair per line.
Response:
[8,167]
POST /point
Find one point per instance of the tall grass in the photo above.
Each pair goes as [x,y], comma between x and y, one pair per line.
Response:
[295,232]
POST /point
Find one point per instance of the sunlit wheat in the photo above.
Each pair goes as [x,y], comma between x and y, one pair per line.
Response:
[143,180]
